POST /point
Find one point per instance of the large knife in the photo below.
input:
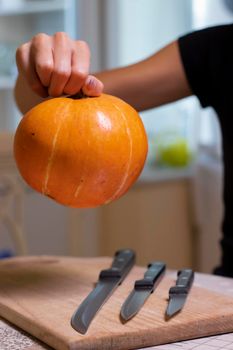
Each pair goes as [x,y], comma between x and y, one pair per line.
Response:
[142,290]
[108,281]
[178,294]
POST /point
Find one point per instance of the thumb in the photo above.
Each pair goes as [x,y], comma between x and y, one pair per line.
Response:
[92,86]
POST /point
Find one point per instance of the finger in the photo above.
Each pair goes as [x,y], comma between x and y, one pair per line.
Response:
[26,68]
[79,67]
[92,86]
[42,53]
[62,51]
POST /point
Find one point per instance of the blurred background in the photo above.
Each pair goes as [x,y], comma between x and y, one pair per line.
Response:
[174,211]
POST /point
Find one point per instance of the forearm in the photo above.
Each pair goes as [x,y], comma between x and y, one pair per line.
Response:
[152,82]
[158,80]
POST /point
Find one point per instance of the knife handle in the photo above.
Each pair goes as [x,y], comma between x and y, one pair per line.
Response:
[121,265]
[152,276]
[184,281]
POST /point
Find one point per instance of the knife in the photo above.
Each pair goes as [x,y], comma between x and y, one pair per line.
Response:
[108,281]
[142,289]
[178,294]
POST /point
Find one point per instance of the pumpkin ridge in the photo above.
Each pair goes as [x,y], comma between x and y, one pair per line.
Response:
[52,154]
[130,157]
[81,183]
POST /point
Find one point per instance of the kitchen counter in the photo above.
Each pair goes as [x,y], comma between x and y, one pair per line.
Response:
[152,174]
[12,338]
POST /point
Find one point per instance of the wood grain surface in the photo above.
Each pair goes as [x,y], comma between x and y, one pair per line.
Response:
[40,294]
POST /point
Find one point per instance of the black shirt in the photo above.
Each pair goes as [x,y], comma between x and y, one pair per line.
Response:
[207,56]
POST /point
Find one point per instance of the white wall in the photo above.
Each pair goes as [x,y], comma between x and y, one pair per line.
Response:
[210,13]
[146,26]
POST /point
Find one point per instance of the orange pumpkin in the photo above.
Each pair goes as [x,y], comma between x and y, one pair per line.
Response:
[81,152]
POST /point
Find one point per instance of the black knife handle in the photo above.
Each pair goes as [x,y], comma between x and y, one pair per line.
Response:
[121,265]
[152,276]
[184,282]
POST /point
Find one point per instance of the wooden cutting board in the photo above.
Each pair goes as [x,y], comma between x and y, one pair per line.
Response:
[40,294]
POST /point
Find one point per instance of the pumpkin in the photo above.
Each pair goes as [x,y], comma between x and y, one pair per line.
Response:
[81,152]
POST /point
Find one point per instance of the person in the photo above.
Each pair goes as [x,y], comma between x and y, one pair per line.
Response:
[198,63]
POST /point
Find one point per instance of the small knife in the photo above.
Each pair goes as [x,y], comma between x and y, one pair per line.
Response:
[142,289]
[178,294]
[108,281]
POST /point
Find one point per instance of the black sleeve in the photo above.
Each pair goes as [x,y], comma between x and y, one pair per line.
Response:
[207,57]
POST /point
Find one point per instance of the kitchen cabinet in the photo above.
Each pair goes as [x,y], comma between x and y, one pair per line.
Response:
[209,211]
[154,219]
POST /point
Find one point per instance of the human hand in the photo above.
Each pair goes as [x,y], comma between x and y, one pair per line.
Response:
[57,65]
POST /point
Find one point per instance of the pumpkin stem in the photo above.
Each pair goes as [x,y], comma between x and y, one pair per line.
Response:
[78,96]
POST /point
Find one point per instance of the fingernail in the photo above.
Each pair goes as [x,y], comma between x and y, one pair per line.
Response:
[91,83]
[93,86]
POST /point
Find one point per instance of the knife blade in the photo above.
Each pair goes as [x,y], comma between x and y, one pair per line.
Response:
[108,281]
[142,289]
[178,294]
